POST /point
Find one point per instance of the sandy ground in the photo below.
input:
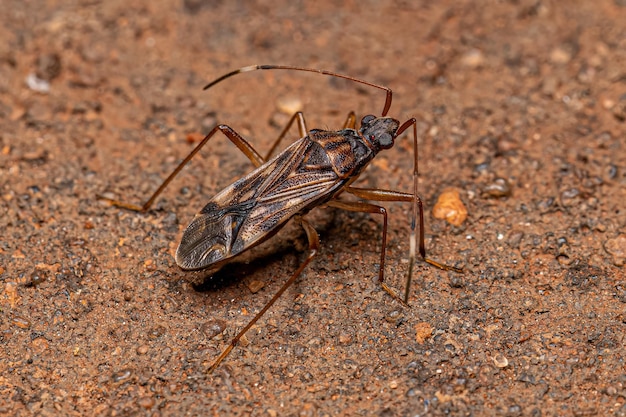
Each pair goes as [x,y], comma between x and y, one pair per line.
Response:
[521,107]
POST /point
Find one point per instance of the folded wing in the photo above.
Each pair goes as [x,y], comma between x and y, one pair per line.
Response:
[253,208]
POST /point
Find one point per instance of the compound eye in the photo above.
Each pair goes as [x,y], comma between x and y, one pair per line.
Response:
[367,119]
[385,140]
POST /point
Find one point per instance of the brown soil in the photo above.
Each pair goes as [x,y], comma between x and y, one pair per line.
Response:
[521,107]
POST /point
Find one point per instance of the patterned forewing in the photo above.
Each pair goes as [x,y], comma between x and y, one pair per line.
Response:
[254,207]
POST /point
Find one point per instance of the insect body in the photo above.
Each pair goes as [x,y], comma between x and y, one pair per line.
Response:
[307,174]
[311,172]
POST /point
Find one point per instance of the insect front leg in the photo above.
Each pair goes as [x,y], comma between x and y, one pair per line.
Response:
[363,207]
[314,244]
[398,196]
[247,149]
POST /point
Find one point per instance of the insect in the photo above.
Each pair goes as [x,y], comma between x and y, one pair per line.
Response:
[311,172]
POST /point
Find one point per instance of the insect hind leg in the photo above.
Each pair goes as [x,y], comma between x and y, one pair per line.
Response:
[314,244]
[243,145]
[363,207]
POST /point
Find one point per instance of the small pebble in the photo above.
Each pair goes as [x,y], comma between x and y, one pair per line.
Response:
[146,402]
[529,303]
[122,375]
[345,338]
[515,238]
[506,145]
[149,265]
[315,341]
[40,344]
[457,282]
[35,279]
[500,361]
[289,105]
[244,341]
[213,327]
[450,207]
[423,331]
[255,286]
[37,84]
[156,332]
[528,378]
[569,197]
[617,249]
[393,316]
[549,85]
[560,55]
[21,322]
[473,58]
[611,172]
[194,137]
[48,66]
[498,188]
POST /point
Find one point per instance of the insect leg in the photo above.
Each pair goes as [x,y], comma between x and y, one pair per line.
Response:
[231,134]
[299,116]
[314,244]
[350,121]
[388,195]
[362,207]
[377,194]
[302,129]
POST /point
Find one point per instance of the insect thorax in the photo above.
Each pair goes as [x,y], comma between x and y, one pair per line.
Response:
[345,149]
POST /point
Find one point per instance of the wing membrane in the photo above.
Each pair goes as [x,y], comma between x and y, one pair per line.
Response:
[254,207]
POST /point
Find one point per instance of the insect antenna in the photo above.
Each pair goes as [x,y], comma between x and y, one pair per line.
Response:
[318,71]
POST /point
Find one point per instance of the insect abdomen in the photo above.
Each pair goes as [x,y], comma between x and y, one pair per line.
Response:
[209,237]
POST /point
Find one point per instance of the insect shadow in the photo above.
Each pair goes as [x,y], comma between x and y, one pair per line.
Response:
[289,246]
[235,272]
[311,172]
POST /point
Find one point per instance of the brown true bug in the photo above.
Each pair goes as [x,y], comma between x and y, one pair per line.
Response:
[309,173]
